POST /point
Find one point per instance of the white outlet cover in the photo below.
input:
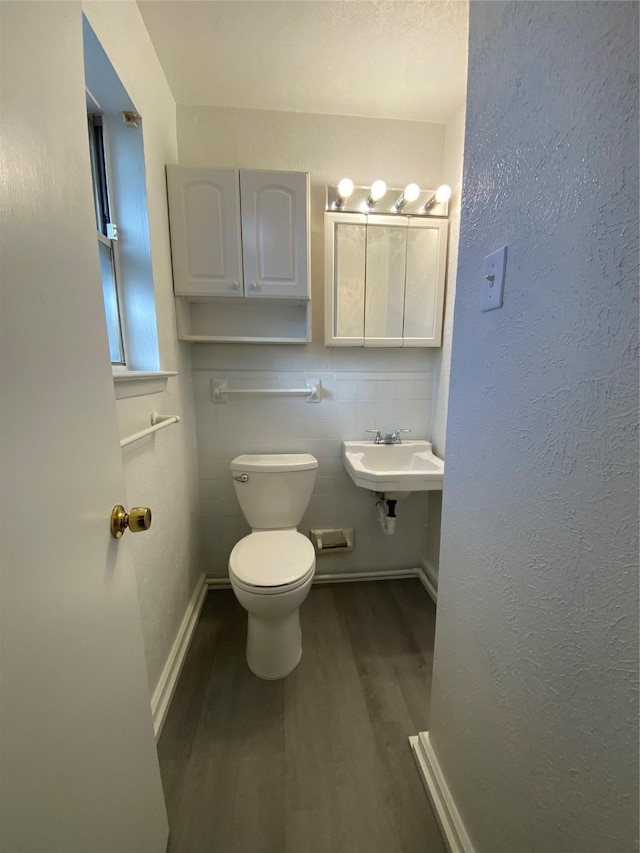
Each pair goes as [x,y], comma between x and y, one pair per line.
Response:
[495,266]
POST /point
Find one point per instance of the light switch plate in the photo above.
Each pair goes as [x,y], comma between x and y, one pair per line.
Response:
[495,266]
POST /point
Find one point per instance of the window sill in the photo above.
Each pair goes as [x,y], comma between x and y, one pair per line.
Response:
[137,383]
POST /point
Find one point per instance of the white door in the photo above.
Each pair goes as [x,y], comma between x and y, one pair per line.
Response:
[204,208]
[275,233]
[79,767]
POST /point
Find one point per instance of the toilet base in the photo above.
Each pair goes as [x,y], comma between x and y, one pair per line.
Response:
[274,647]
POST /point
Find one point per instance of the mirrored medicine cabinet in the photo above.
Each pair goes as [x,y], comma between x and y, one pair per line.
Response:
[385,279]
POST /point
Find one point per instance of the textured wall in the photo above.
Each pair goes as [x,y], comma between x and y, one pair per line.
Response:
[160,472]
[376,59]
[371,388]
[534,706]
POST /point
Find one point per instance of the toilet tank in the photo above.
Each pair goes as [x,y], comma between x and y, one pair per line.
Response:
[273,489]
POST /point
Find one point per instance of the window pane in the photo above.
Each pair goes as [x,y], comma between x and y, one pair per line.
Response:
[99,173]
[94,174]
[111,303]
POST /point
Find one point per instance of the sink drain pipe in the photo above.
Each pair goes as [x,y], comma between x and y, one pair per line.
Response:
[386,513]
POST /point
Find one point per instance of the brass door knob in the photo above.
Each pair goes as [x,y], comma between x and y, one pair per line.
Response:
[137,519]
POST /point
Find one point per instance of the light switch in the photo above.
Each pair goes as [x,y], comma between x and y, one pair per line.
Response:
[495,266]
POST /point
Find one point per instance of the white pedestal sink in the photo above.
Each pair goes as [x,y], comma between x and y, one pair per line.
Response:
[407,467]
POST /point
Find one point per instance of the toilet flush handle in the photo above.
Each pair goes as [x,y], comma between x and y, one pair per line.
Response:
[243,478]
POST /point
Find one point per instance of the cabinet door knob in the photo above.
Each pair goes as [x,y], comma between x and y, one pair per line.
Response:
[235,285]
[254,286]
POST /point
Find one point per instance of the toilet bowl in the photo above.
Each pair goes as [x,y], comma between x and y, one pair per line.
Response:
[271,569]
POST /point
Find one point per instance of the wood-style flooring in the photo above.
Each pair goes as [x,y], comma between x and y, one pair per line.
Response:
[318,762]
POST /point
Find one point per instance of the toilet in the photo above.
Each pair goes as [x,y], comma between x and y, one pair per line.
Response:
[272,568]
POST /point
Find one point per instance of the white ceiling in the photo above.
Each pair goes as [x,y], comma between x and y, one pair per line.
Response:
[392,59]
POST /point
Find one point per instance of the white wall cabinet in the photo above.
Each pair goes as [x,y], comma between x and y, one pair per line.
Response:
[384,280]
[206,247]
[275,233]
[240,237]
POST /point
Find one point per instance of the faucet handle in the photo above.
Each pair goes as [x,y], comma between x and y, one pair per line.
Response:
[395,435]
[378,436]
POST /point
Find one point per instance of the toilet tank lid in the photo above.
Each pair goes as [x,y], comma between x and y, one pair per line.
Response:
[275,462]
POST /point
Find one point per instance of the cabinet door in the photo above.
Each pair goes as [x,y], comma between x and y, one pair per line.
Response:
[424,289]
[385,279]
[275,233]
[204,212]
[345,259]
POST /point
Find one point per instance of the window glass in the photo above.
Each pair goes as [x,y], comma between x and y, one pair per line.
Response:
[110,295]
[118,174]
[106,247]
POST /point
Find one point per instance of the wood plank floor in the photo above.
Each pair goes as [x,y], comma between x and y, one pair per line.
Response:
[318,762]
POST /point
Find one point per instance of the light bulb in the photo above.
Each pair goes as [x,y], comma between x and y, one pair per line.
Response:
[378,189]
[345,188]
[411,192]
[443,194]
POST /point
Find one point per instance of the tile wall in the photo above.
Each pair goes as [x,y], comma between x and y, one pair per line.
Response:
[353,401]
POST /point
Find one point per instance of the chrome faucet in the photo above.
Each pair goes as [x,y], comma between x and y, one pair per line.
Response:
[389,438]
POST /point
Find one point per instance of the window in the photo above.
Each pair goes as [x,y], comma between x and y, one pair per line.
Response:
[117,154]
[107,238]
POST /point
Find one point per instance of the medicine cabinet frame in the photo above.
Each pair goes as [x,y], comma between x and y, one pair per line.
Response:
[370,276]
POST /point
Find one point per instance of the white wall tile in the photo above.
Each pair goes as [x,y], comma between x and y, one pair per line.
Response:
[324,429]
[402,389]
[346,389]
[366,389]
[384,390]
[355,401]
[422,389]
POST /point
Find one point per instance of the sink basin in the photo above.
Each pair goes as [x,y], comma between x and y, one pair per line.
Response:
[407,467]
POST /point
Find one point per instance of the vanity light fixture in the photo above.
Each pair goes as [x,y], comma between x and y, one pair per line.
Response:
[378,190]
[411,193]
[441,196]
[379,198]
[345,188]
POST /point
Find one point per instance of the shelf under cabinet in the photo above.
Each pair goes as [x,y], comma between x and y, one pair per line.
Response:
[243,320]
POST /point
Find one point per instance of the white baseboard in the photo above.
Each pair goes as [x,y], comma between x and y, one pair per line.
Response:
[163,693]
[429,578]
[444,807]
[351,577]
[218,583]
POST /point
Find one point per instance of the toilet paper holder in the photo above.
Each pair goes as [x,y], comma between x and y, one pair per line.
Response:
[332,540]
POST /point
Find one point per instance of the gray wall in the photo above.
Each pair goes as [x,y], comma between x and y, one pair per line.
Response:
[383,388]
[533,707]
[160,472]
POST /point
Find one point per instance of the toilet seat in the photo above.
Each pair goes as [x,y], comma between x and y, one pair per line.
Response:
[272,561]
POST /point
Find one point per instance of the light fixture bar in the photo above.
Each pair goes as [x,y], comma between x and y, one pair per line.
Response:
[377,199]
